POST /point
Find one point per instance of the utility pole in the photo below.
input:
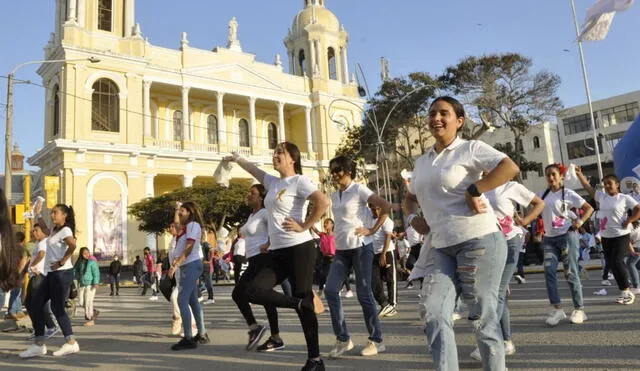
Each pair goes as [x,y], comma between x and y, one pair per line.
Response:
[8,139]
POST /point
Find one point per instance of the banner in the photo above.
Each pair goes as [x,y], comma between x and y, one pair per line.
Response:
[107,230]
[599,18]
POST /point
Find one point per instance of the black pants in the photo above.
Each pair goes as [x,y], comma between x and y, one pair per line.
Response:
[295,263]
[615,250]
[414,254]
[34,285]
[255,264]
[238,261]
[389,274]
[55,287]
[114,279]
[521,263]
[325,264]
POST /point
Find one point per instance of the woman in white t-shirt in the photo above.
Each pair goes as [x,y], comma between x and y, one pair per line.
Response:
[468,250]
[561,243]
[292,253]
[354,249]
[256,240]
[615,228]
[503,200]
[58,270]
[188,257]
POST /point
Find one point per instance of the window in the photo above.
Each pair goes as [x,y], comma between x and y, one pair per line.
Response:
[536,142]
[105,10]
[576,124]
[524,175]
[105,106]
[212,129]
[519,146]
[619,114]
[540,171]
[56,110]
[582,148]
[243,131]
[272,135]
[177,126]
[333,72]
[613,140]
[301,63]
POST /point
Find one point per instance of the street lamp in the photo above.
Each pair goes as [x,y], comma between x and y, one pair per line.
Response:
[9,127]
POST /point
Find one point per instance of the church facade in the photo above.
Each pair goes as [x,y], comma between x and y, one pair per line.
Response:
[127,120]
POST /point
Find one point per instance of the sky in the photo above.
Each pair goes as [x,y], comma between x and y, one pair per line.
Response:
[414,35]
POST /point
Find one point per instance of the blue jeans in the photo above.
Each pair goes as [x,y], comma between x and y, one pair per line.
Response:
[361,259]
[188,298]
[476,267]
[566,248]
[15,302]
[632,262]
[513,254]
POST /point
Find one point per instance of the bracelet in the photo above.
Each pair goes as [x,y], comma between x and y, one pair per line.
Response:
[473,190]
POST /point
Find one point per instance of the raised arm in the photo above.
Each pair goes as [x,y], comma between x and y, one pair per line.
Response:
[247,166]
[585,183]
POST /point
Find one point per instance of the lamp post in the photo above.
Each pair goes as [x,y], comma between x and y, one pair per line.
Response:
[9,125]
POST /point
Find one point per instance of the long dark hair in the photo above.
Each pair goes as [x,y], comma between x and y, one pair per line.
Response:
[194,213]
[82,260]
[294,152]
[261,190]
[10,253]
[70,220]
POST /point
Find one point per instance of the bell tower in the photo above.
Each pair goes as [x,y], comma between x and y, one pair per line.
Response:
[115,17]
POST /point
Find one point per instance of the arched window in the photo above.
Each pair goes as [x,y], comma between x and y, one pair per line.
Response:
[105,13]
[301,63]
[212,129]
[56,110]
[177,125]
[272,135]
[536,142]
[333,72]
[105,106]
[519,146]
[243,131]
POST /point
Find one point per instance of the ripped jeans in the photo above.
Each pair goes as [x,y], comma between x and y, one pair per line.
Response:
[565,247]
[475,267]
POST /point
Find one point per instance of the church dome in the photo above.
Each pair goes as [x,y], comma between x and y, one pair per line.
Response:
[315,12]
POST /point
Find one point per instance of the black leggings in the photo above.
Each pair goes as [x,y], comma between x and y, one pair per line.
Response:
[389,274]
[55,287]
[295,263]
[615,250]
[256,263]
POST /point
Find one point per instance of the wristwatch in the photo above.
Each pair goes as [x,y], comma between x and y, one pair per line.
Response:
[473,190]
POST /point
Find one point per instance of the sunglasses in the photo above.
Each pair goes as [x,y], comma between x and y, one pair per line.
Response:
[335,170]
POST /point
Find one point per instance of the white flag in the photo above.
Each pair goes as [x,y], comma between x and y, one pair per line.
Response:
[599,18]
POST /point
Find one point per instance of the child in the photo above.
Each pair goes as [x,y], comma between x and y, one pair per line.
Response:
[88,275]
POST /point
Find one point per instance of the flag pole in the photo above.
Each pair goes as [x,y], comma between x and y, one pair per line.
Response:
[586,87]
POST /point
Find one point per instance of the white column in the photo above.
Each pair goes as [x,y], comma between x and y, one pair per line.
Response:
[252,122]
[129,19]
[345,65]
[71,10]
[307,119]
[81,12]
[222,124]
[312,57]
[187,180]
[186,125]
[319,58]
[281,135]
[292,63]
[146,97]
[149,191]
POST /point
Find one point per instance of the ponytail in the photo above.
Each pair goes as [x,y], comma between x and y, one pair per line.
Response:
[70,220]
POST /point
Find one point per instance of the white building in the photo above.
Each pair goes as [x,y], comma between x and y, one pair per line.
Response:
[540,144]
[613,118]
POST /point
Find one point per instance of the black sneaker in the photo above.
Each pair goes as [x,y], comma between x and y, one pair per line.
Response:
[313,365]
[184,343]
[201,339]
[270,345]
[255,336]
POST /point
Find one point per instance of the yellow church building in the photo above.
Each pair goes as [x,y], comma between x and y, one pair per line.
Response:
[125,119]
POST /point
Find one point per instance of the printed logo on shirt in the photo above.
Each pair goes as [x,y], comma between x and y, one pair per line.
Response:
[280,194]
[505,224]
[558,222]
[603,223]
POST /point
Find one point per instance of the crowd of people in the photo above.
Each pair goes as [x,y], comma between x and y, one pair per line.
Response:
[465,238]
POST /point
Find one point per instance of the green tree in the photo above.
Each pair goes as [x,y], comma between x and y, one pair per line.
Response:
[219,206]
[517,155]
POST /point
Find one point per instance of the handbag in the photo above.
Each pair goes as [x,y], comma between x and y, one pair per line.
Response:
[73,292]
[166,286]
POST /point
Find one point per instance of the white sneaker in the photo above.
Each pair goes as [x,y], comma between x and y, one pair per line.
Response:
[386,310]
[34,350]
[349,294]
[67,349]
[635,291]
[626,298]
[578,316]
[555,317]
[456,316]
[476,354]
[372,348]
[340,348]
[605,283]
[520,279]
[209,301]
[611,276]
[509,348]
[153,298]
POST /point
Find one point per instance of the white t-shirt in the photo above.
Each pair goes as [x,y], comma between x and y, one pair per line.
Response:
[440,181]
[557,219]
[613,212]
[381,235]
[502,199]
[402,247]
[240,247]
[287,198]
[40,247]
[255,232]
[350,211]
[413,237]
[317,226]
[56,248]
[193,232]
